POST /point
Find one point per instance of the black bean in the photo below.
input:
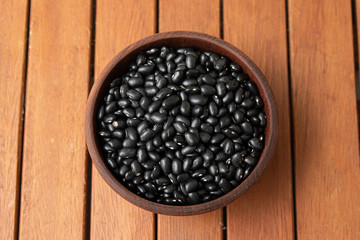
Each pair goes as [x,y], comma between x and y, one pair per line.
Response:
[237,159]
[183,177]
[210,186]
[129,175]
[225,186]
[111,163]
[135,81]
[247,128]
[193,197]
[191,138]
[207,90]
[136,167]
[256,144]
[262,119]
[146,69]
[176,166]
[171,101]
[190,61]
[114,143]
[158,117]
[180,127]
[101,113]
[197,100]
[147,135]
[133,94]
[238,116]
[208,80]
[204,137]
[165,164]
[222,168]
[191,185]
[154,106]
[123,170]
[208,155]
[247,103]
[131,134]
[217,138]
[220,64]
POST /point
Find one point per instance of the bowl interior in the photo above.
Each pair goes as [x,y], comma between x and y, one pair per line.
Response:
[119,66]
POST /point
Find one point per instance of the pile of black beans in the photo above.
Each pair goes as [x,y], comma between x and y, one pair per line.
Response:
[182,126]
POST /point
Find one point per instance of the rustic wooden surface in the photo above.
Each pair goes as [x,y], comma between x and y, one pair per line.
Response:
[47,159]
[327,171]
[54,168]
[175,16]
[266,210]
[12,77]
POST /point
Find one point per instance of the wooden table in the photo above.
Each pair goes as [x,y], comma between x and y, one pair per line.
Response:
[52,50]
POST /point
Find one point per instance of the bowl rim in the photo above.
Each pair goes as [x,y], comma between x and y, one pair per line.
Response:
[249,67]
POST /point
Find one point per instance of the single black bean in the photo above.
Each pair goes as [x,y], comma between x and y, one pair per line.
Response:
[146,69]
[131,134]
[204,137]
[262,119]
[154,106]
[190,61]
[135,81]
[247,128]
[193,197]
[149,165]
[111,163]
[222,168]
[114,143]
[225,186]
[158,117]
[213,109]
[183,177]
[191,185]
[247,103]
[133,94]
[207,79]
[191,138]
[220,64]
[180,127]
[147,135]
[238,116]
[128,143]
[127,152]
[176,166]
[207,90]
[208,155]
[217,138]
[136,167]
[185,108]
[187,150]
[210,186]
[171,101]
[129,176]
[197,100]
[237,159]
[165,164]
[255,143]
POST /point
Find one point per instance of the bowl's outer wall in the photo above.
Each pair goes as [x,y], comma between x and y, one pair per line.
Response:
[119,65]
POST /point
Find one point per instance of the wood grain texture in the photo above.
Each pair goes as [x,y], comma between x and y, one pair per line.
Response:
[54,159]
[266,210]
[118,24]
[325,122]
[201,16]
[187,15]
[203,226]
[12,74]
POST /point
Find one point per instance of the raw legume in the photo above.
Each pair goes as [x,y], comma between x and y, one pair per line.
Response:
[182,126]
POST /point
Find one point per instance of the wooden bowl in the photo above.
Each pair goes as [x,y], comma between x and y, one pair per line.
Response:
[119,65]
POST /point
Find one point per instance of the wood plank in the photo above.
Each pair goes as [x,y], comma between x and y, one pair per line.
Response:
[200,16]
[13,25]
[118,24]
[259,29]
[324,113]
[54,159]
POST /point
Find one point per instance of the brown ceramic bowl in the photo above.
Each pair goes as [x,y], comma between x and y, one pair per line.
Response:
[119,65]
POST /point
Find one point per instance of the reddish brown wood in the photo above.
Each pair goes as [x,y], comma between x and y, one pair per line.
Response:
[12,74]
[266,210]
[325,123]
[118,65]
[118,24]
[53,186]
